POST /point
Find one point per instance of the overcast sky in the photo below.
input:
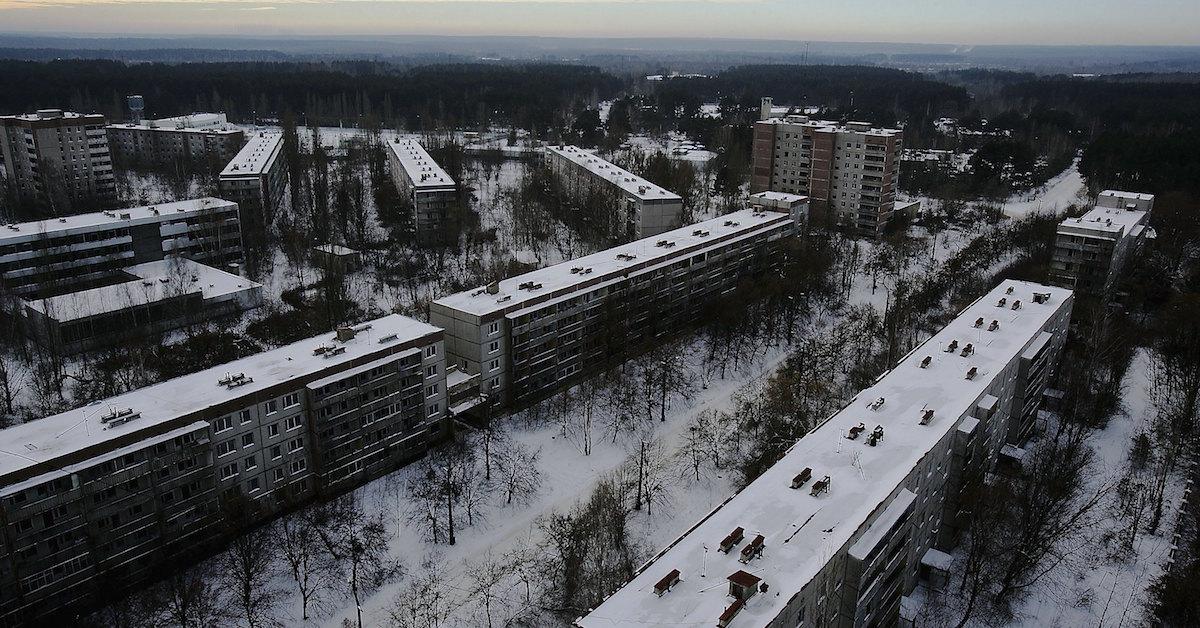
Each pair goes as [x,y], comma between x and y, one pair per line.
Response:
[918,21]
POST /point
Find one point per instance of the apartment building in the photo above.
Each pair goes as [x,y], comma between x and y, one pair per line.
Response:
[856,512]
[57,255]
[57,159]
[848,170]
[94,500]
[200,138]
[256,179]
[1092,251]
[429,188]
[528,336]
[648,209]
[154,297]
[793,205]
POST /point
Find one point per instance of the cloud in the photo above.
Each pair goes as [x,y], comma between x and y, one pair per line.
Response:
[274,4]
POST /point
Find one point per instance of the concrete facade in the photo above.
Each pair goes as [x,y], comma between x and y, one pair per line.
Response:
[58,255]
[1092,251]
[58,159]
[849,170]
[528,336]
[205,139]
[257,180]
[848,522]
[102,496]
[648,209]
[429,188]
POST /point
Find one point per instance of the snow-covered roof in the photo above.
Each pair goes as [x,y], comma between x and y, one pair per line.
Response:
[1107,222]
[335,249]
[562,279]
[44,440]
[803,532]
[256,156]
[150,282]
[208,123]
[53,114]
[779,197]
[628,182]
[1141,196]
[25,231]
[421,169]
[864,128]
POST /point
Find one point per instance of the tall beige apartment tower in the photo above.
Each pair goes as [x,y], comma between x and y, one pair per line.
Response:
[57,159]
[847,169]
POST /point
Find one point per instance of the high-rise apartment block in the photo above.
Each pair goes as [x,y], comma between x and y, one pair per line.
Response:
[200,139]
[844,526]
[528,336]
[425,184]
[848,170]
[53,256]
[256,179]
[1092,251]
[57,159]
[96,499]
[647,209]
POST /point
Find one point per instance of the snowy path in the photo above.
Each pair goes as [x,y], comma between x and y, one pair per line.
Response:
[1060,192]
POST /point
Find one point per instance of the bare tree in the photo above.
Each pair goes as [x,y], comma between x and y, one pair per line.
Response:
[247,567]
[423,601]
[311,567]
[190,598]
[518,474]
[358,542]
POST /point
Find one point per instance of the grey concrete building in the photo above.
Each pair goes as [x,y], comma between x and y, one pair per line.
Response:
[427,187]
[197,140]
[257,180]
[1091,252]
[863,508]
[647,209]
[57,159]
[58,255]
[530,335]
[94,500]
[848,170]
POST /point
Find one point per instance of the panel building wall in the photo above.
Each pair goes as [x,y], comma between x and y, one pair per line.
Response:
[101,496]
[200,140]
[857,511]
[427,186]
[849,170]
[58,159]
[1091,252]
[530,335]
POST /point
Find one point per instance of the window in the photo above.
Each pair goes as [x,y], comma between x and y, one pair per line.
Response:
[435,409]
[494,365]
[273,430]
[431,390]
[430,351]
[229,471]
[250,463]
[244,416]
[247,439]
[293,423]
[431,370]
[276,452]
[271,407]
[493,346]
[298,466]
[225,448]
[295,444]
[291,399]
[278,475]
[493,328]
[222,424]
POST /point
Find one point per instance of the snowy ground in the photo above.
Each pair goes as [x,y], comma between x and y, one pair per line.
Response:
[1096,588]
[1054,197]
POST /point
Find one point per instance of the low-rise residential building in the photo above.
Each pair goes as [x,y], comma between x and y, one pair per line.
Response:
[48,257]
[257,180]
[337,257]
[1092,251]
[59,160]
[428,188]
[842,528]
[793,205]
[530,335]
[647,209]
[197,139]
[154,297]
[848,170]
[95,500]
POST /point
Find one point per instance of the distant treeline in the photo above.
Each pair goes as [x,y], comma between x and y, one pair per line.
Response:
[349,92]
